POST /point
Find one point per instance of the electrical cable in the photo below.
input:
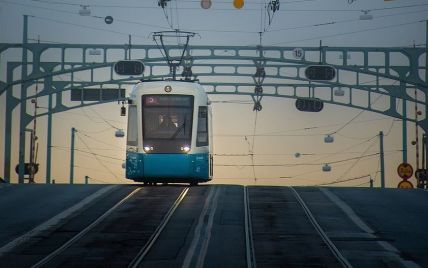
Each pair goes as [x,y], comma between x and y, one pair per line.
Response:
[103,142]
[88,27]
[344,180]
[343,21]
[252,145]
[289,155]
[102,118]
[359,113]
[356,162]
[96,157]
[187,8]
[348,33]
[74,13]
[301,164]
[97,148]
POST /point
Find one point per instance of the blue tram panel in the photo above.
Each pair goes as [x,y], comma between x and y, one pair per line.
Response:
[169,137]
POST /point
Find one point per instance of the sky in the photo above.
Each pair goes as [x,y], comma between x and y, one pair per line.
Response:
[274,135]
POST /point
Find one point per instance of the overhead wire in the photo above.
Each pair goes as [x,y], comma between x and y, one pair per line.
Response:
[300,164]
[102,118]
[228,9]
[94,139]
[96,157]
[356,162]
[317,170]
[348,33]
[344,180]
[291,155]
[362,111]
[86,154]
[343,21]
[88,27]
[229,30]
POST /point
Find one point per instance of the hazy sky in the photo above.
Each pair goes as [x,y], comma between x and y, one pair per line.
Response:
[281,131]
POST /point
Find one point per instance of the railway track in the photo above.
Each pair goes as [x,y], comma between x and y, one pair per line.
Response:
[176,227]
[249,247]
[343,261]
[105,241]
[285,233]
[143,252]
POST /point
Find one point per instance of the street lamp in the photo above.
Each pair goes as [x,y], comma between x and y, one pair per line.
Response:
[84,10]
[366,15]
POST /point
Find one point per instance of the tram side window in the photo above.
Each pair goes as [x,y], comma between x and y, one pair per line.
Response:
[202,136]
[132,126]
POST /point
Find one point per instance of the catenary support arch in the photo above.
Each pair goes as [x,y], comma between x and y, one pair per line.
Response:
[391,72]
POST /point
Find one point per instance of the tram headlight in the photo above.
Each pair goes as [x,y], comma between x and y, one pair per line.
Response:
[147,148]
[185,148]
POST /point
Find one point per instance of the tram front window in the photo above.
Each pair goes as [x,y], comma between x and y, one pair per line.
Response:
[167,121]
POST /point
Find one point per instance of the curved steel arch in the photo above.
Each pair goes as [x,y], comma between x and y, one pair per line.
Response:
[222,63]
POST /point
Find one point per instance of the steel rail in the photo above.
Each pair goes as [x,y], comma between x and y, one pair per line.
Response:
[146,248]
[251,258]
[70,242]
[343,261]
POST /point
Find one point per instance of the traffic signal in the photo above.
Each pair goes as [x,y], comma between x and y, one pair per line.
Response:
[129,67]
[309,105]
[320,72]
[28,168]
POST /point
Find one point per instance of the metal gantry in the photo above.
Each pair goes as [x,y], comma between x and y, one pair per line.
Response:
[371,73]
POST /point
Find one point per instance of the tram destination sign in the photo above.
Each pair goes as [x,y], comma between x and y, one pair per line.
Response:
[320,73]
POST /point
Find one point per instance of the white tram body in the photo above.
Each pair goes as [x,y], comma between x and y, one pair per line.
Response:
[169,136]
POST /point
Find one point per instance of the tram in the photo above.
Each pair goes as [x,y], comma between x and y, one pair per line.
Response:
[169,136]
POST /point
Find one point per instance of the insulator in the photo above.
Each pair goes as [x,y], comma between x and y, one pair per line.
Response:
[260,72]
[257,107]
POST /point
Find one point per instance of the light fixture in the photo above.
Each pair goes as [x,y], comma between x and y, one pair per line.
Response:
[119,133]
[84,10]
[206,4]
[297,155]
[148,148]
[339,92]
[94,52]
[326,168]
[366,15]
[124,165]
[185,148]
[238,3]
[108,19]
[328,139]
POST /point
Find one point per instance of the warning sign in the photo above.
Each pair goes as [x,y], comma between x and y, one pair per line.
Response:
[405,171]
[404,184]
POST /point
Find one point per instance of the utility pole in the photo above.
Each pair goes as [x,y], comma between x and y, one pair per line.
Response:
[23,105]
[382,161]
[73,131]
